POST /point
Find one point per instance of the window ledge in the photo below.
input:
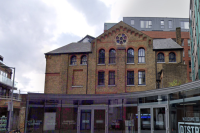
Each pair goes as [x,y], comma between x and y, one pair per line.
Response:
[130,63]
[101,85]
[141,85]
[77,86]
[73,65]
[101,64]
[83,64]
[111,85]
[130,85]
[172,62]
[142,63]
[160,62]
[112,64]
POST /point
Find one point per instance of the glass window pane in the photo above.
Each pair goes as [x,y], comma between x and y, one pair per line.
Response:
[132,22]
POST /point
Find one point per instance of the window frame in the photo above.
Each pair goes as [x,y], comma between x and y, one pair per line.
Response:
[132,20]
[111,78]
[112,56]
[130,57]
[172,58]
[189,42]
[170,24]
[161,59]
[189,53]
[83,62]
[141,55]
[101,59]
[141,75]
[162,25]
[146,24]
[101,78]
[73,60]
[130,78]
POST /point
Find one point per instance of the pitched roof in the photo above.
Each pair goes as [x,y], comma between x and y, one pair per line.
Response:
[165,44]
[73,48]
[90,38]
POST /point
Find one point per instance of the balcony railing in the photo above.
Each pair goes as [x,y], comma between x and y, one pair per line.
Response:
[16,96]
[7,81]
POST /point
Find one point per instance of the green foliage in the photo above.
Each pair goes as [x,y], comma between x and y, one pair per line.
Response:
[174,83]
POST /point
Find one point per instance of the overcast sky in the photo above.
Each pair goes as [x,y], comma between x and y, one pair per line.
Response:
[30,28]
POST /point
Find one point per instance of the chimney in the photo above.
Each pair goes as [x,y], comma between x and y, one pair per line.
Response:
[178,35]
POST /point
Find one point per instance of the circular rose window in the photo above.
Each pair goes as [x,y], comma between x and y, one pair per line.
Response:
[121,39]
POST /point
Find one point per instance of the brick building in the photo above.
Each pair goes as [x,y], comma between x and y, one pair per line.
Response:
[163,27]
[102,84]
[120,60]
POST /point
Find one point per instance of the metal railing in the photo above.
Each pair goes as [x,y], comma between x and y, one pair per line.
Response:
[15,96]
[7,81]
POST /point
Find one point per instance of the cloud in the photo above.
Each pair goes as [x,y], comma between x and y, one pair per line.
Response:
[95,11]
[25,28]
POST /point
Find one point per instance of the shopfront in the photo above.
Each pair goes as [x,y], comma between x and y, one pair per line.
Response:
[167,110]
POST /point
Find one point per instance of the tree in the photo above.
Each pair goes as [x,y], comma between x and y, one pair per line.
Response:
[174,83]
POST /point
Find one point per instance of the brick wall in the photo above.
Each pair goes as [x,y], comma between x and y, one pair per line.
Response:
[173,72]
[172,34]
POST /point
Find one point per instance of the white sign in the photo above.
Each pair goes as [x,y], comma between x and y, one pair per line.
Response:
[99,121]
[186,127]
[190,118]
[85,121]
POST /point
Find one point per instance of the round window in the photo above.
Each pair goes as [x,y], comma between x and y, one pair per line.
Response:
[121,39]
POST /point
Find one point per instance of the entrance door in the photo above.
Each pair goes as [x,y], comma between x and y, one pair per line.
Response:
[92,120]
[153,119]
[85,122]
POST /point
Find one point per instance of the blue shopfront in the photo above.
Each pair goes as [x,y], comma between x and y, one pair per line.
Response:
[166,110]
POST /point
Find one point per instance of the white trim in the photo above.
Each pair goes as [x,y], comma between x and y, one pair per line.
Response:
[141,85]
[142,63]
[172,62]
[101,64]
[130,85]
[77,86]
[130,63]
[161,62]
[111,85]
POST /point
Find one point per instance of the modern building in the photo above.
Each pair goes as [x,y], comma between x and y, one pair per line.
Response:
[160,28]
[195,36]
[6,84]
[96,86]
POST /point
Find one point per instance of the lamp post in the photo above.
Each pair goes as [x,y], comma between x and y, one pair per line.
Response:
[10,104]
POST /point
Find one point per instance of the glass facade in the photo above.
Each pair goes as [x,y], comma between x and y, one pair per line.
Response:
[168,110]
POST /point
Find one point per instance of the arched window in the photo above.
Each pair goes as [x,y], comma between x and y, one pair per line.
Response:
[172,57]
[73,60]
[130,55]
[112,56]
[160,57]
[84,60]
[102,56]
[141,55]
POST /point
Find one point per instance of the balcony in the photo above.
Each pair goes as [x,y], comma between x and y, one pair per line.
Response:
[7,81]
[16,97]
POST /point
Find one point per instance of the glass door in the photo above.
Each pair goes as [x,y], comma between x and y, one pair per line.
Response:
[145,120]
[85,121]
[92,120]
[99,121]
[159,118]
[153,119]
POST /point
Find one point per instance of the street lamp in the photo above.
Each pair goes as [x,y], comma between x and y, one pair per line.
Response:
[10,104]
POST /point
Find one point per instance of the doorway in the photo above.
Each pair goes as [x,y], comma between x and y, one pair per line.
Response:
[92,120]
[153,119]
